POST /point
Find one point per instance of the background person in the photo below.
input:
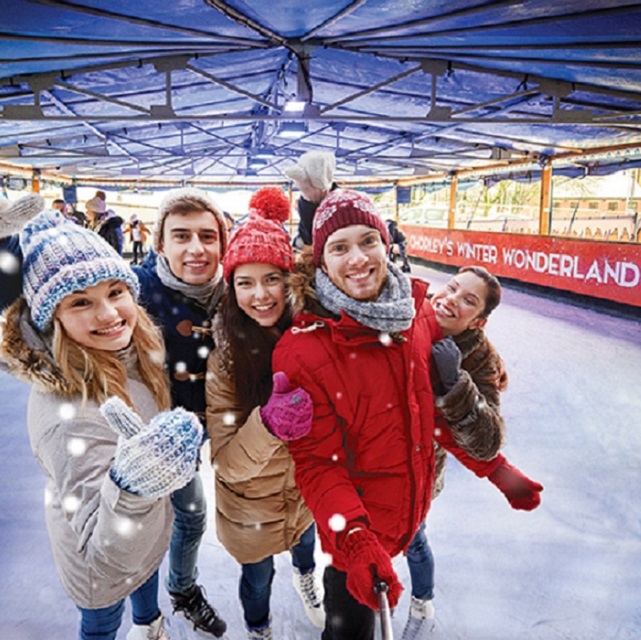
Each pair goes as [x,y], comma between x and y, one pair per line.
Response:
[397,238]
[138,234]
[109,227]
[313,174]
[259,510]
[79,337]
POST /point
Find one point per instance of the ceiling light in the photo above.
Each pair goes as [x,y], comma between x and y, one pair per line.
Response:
[295,106]
[292,129]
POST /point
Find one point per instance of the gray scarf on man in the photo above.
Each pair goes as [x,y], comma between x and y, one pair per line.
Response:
[207,295]
[392,311]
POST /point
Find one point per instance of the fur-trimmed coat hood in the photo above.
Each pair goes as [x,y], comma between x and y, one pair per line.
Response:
[26,353]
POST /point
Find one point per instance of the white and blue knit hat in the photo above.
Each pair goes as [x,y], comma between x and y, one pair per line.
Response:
[61,257]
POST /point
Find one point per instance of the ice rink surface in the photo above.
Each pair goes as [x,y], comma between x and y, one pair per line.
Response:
[571,570]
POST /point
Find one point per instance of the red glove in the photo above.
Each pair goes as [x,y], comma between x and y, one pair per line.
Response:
[520,491]
[288,413]
[366,559]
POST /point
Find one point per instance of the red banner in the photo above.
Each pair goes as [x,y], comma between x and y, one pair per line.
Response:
[609,270]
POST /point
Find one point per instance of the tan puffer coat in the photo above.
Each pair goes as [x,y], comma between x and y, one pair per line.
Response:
[259,509]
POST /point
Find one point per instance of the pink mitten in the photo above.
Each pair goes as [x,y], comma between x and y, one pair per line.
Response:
[288,412]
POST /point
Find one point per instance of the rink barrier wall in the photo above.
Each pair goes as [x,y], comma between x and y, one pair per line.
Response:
[606,270]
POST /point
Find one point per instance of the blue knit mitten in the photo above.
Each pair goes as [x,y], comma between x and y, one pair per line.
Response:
[157,459]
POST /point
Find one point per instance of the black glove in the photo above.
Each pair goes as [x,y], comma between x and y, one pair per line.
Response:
[447,358]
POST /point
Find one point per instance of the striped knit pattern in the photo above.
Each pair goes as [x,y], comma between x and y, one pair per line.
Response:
[61,257]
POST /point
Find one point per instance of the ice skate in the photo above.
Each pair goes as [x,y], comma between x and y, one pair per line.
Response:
[264,632]
[308,590]
[420,621]
[152,631]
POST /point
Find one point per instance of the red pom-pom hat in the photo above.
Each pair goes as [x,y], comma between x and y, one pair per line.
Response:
[261,238]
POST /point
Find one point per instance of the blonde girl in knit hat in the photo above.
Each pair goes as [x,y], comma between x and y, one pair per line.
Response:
[259,510]
[110,459]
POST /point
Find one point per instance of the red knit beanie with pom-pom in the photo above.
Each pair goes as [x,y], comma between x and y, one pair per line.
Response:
[261,238]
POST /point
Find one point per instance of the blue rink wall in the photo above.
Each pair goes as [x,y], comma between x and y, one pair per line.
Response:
[571,570]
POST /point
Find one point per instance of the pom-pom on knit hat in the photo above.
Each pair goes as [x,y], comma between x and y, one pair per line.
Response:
[271,203]
[260,239]
[61,257]
[344,208]
[183,201]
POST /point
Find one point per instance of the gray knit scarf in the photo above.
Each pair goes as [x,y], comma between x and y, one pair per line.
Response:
[206,295]
[392,311]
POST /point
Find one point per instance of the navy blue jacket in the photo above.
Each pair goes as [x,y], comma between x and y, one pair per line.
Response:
[187,349]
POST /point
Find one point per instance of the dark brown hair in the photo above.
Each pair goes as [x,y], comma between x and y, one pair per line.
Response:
[250,350]
[493,298]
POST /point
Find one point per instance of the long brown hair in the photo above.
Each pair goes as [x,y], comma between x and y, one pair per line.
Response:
[250,350]
[96,375]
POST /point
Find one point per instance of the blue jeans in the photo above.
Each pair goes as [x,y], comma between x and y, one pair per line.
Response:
[190,522]
[421,565]
[103,624]
[256,578]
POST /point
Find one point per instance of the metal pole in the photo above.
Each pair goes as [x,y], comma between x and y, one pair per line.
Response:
[380,588]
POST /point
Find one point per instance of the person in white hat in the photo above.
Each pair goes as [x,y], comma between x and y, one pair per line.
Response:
[313,174]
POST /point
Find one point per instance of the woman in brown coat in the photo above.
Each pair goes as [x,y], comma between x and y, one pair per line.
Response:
[259,510]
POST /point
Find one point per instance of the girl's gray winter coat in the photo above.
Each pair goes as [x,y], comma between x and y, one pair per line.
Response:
[106,542]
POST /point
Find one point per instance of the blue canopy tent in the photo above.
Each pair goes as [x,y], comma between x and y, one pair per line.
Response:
[200,90]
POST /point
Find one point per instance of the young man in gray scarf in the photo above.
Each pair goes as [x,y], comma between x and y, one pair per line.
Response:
[180,287]
[360,346]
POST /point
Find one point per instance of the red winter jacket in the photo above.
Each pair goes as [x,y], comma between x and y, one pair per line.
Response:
[369,456]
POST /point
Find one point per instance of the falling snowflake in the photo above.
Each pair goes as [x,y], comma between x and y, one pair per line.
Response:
[335,458]
[229,419]
[67,411]
[339,395]
[203,352]
[385,338]
[180,367]
[437,431]
[157,356]
[124,526]
[48,497]
[9,263]
[76,447]
[70,503]
[337,522]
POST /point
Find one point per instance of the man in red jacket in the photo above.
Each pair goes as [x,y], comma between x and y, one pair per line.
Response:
[360,347]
